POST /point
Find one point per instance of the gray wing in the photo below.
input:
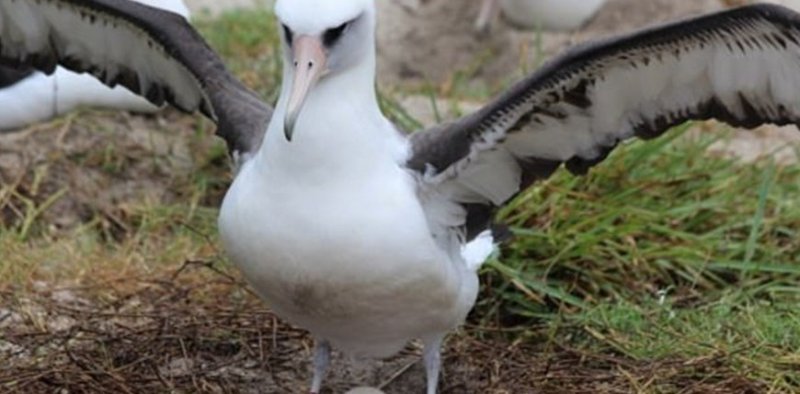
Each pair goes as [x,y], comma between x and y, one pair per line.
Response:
[740,66]
[152,52]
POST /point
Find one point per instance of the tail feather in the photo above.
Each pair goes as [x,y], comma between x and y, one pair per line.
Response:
[477,251]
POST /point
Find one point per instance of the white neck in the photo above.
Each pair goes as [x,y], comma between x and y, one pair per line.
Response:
[340,129]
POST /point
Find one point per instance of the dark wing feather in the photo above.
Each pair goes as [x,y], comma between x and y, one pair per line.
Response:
[9,76]
[152,52]
[740,66]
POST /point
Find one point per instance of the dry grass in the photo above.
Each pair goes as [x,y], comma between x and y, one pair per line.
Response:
[198,329]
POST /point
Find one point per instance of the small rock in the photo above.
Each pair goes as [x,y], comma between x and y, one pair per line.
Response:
[60,324]
[64,297]
[178,367]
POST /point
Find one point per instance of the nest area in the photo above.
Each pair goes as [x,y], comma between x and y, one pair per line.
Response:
[198,329]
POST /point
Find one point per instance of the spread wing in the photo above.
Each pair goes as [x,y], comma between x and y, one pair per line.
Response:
[740,66]
[152,52]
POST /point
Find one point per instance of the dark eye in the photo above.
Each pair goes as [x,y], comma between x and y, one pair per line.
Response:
[287,32]
[331,36]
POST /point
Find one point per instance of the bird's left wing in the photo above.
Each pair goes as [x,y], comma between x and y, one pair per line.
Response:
[154,53]
[740,66]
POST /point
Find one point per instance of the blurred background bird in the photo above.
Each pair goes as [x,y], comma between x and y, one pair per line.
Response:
[793,4]
[538,14]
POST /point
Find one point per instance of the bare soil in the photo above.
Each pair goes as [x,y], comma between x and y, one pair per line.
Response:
[198,330]
[97,165]
[431,40]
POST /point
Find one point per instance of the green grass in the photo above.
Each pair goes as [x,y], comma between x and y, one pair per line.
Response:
[756,339]
[661,216]
[661,252]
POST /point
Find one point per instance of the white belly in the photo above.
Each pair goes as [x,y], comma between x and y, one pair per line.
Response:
[353,264]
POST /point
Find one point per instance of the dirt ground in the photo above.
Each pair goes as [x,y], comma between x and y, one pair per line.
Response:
[156,334]
[194,330]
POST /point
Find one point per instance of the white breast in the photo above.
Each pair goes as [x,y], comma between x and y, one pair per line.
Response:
[337,243]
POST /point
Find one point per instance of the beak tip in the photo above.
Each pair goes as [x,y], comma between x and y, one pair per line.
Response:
[288,131]
[310,51]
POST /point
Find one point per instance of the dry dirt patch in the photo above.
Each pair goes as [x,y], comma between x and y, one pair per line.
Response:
[199,330]
[430,40]
[91,165]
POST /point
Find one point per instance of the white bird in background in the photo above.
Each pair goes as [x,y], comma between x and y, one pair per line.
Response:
[539,14]
[368,237]
[793,4]
[28,96]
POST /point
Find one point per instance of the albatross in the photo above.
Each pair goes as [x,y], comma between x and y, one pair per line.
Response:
[368,237]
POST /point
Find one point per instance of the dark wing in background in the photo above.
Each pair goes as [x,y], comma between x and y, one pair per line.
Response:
[740,66]
[11,75]
[152,52]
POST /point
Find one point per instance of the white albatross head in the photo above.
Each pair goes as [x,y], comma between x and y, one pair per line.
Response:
[321,39]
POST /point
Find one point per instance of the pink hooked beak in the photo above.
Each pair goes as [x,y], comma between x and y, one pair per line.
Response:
[309,62]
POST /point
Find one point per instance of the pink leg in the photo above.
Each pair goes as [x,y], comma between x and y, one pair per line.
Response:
[322,357]
[489,11]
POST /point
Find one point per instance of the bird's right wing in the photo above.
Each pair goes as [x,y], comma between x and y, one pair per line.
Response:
[152,52]
[740,66]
